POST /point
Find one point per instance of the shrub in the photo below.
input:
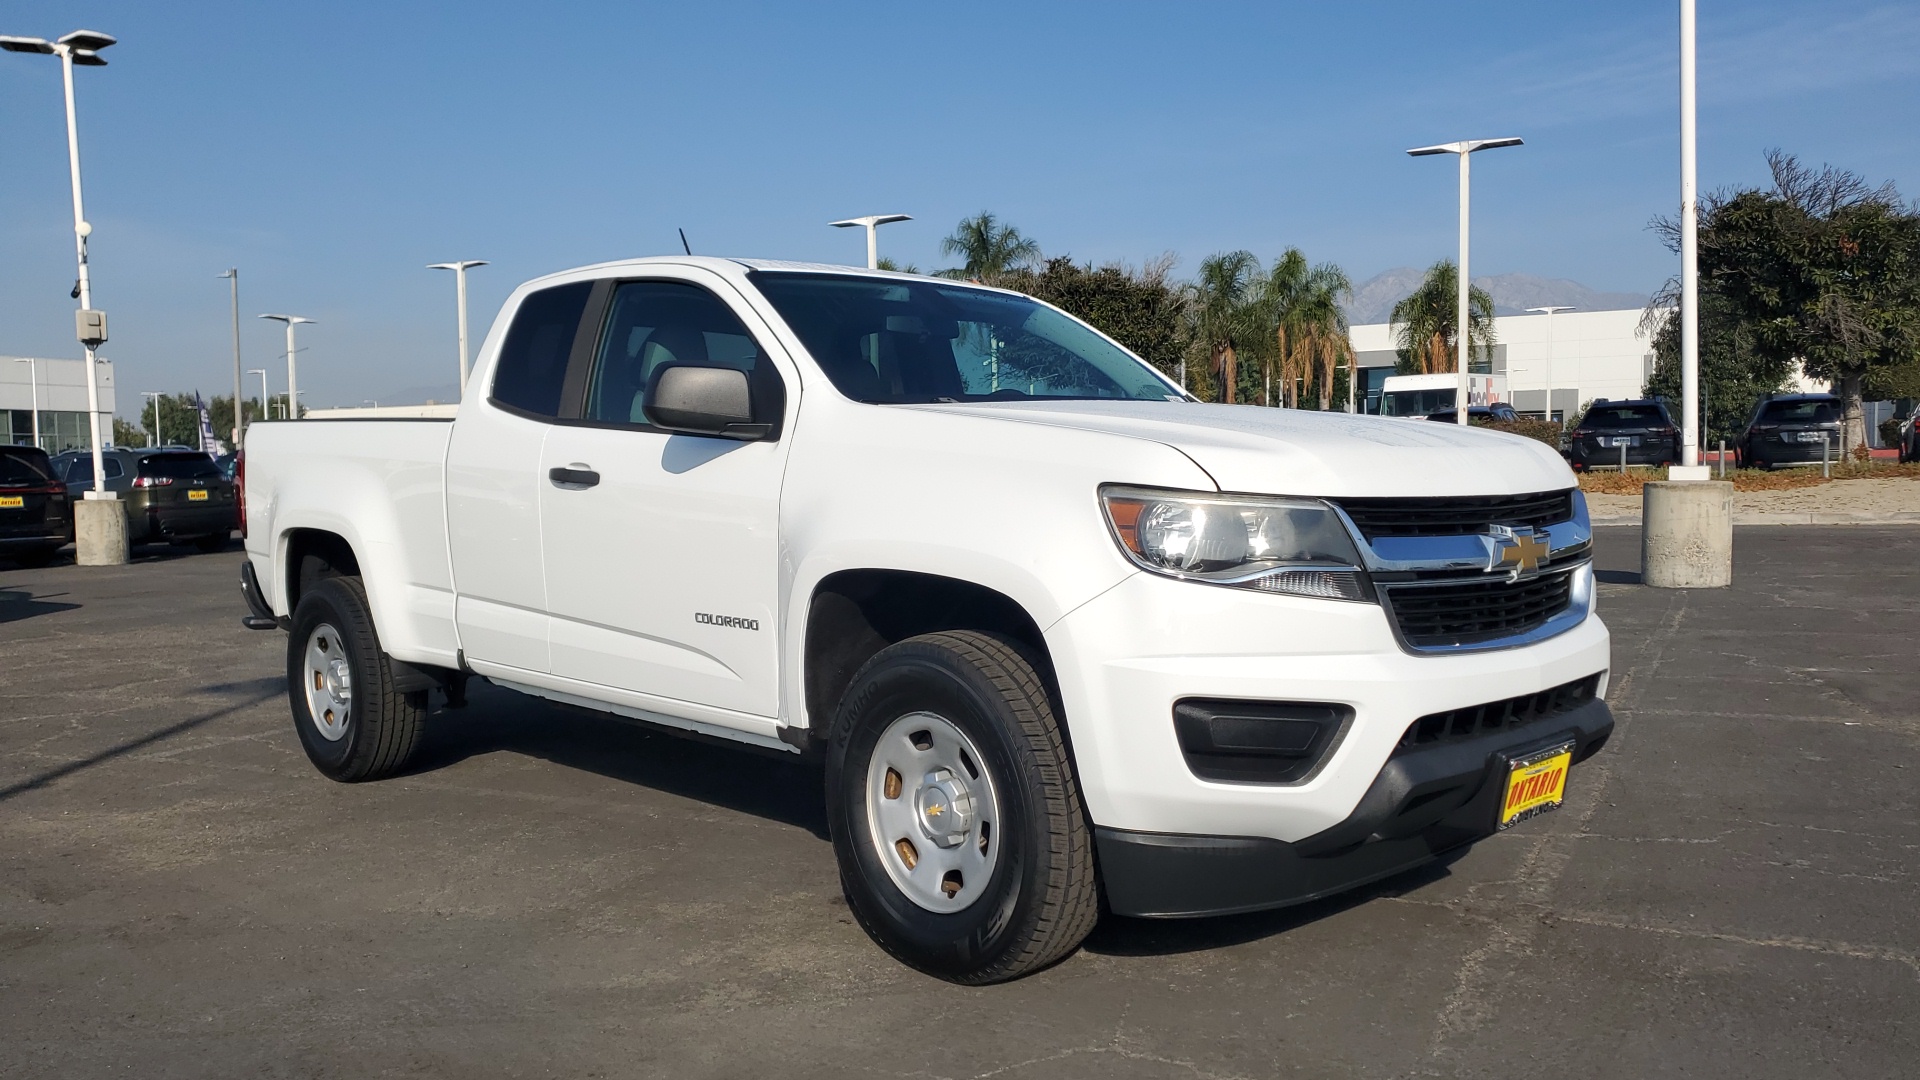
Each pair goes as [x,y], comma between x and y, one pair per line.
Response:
[1542,430]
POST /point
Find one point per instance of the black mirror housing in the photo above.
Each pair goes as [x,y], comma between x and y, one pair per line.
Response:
[697,399]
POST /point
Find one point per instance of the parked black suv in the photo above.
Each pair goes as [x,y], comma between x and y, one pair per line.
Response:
[35,514]
[171,496]
[1643,426]
[1790,429]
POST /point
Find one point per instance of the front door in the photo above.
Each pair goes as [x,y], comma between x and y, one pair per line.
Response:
[661,549]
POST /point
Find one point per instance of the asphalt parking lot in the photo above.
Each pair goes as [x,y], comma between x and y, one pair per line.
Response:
[1733,888]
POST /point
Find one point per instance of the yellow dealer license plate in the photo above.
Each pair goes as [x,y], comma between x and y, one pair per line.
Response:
[1536,784]
[197,495]
[11,502]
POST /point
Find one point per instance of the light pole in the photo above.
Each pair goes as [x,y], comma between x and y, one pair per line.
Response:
[1463,337]
[33,381]
[872,223]
[460,290]
[81,47]
[262,372]
[155,395]
[293,375]
[1546,413]
[1689,257]
[233,277]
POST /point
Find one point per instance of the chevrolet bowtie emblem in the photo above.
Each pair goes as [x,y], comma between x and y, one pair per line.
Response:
[935,810]
[1517,550]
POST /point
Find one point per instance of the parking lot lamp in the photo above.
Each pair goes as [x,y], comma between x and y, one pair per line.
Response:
[33,382]
[262,372]
[1463,339]
[81,47]
[460,291]
[233,278]
[293,374]
[1546,412]
[154,439]
[872,223]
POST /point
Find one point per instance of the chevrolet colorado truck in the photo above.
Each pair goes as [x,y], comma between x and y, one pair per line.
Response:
[1063,637]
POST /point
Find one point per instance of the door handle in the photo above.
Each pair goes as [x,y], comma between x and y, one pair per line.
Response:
[565,477]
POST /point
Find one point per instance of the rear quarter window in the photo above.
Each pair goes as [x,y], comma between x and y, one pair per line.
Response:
[532,369]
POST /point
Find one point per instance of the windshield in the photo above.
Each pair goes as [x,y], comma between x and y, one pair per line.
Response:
[1415,402]
[892,342]
[1802,412]
[23,465]
[1623,416]
[179,466]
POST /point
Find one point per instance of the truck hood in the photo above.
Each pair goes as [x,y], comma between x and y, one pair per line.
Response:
[1298,452]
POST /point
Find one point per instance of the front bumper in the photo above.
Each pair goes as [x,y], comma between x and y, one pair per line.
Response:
[1124,659]
[1423,803]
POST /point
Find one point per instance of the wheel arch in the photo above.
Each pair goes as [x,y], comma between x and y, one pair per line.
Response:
[853,614]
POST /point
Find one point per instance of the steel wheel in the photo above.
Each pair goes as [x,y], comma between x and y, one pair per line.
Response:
[328,683]
[932,812]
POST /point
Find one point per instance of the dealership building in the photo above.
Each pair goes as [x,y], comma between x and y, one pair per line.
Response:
[57,390]
[1595,354]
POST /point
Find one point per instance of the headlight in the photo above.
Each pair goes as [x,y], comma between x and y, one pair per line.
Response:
[1296,546]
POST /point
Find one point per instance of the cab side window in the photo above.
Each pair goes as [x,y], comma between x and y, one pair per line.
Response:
[653,323]
[532,371]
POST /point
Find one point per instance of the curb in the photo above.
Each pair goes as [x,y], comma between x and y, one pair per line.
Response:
[1803,518]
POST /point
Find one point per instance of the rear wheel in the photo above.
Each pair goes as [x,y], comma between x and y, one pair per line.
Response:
[956,818]
[35,557]
[213,542]
[352,723]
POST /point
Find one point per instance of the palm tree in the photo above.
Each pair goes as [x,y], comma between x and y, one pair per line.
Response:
[1309,328]
[1228,309]
[988,248]
[1423,323]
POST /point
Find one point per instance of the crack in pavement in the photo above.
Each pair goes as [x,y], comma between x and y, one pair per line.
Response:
[1468,1006]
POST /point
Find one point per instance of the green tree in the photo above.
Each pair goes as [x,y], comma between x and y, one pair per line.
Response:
[1310,329]
[1733,374]
[1424,324]
[1229,315]
[885,263]
[987,248]
[1141,309]
[1822,268]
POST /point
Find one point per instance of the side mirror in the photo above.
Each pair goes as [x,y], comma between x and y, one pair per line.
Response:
[699,400]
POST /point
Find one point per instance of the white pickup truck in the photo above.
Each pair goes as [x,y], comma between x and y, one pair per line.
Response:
[1060,633]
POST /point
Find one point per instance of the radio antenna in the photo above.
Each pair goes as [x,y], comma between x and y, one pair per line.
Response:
[683,241]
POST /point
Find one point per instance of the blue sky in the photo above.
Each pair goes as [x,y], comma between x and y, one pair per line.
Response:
[331,150]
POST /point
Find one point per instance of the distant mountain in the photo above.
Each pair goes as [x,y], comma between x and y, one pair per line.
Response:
[1513,294]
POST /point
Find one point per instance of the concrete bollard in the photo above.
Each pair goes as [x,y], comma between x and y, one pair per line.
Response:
[100,532]
[1686,534]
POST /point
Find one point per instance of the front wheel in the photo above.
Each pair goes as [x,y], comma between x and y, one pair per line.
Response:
[352,723]
[956,818]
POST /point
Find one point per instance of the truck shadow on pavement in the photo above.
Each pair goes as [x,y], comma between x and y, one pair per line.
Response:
[780,788]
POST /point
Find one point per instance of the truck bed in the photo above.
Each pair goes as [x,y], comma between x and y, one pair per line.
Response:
[381,484]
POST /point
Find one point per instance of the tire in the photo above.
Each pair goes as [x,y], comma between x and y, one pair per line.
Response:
[211,542]
[373,730]
[1025,829]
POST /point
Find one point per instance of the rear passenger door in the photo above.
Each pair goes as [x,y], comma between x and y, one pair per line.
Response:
[494,482]
[661,549]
